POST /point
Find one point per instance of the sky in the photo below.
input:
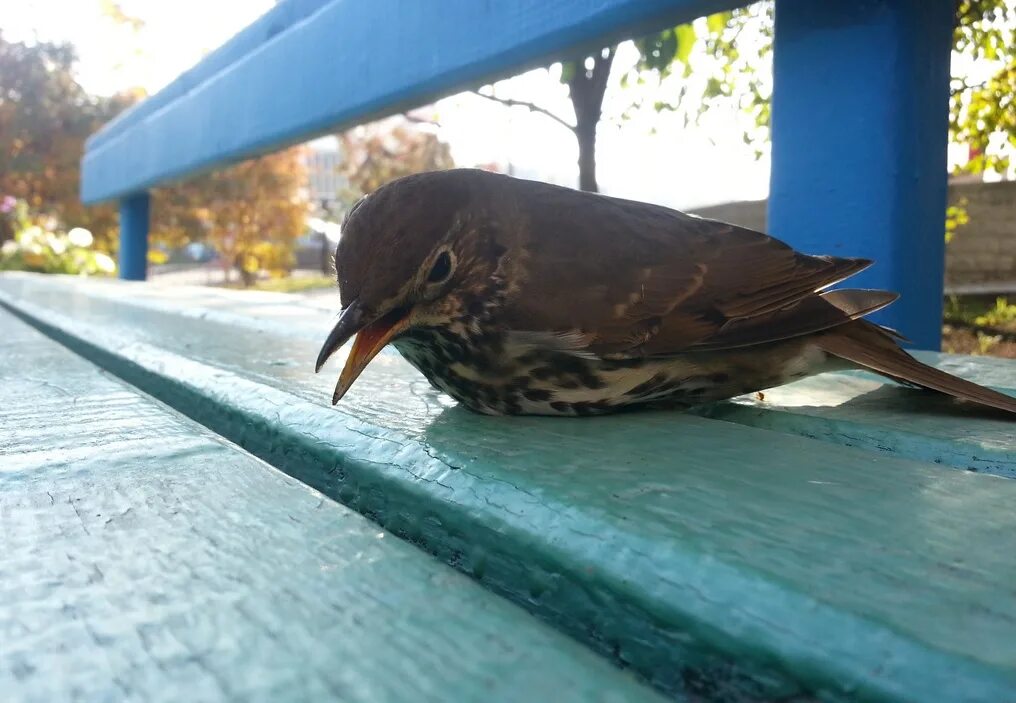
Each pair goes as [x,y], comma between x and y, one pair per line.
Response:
[175,35]
[650,157]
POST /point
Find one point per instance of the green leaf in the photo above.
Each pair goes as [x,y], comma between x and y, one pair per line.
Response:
[717,22]
[567,71]
[685,36]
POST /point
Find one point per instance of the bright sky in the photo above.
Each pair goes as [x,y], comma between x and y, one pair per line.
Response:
[652,157]
[648,157]
[175,35]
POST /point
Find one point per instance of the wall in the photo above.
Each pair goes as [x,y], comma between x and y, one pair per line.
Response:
[982,252]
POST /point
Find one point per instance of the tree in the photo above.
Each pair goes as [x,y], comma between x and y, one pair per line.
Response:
[45,116]
[587,78]
[985,112]
[984,28]
[982,115]
[379,152]
[251,213]
[587,83]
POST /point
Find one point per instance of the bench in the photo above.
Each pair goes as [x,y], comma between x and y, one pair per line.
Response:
[860,110]
[184,516]
[815,543]
[146,558]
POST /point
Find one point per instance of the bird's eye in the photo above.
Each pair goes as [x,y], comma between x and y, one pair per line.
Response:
[441,269]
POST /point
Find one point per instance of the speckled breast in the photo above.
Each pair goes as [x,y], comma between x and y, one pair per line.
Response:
[481,373]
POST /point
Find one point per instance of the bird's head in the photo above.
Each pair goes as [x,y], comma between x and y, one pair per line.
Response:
[420,251]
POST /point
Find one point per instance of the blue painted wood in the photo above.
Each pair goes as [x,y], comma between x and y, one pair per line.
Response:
[314,68]
[275,21]
[721,561]
[145,559]
[134,222]
[859,143]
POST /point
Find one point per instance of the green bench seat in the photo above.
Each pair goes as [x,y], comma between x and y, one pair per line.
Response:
[146,559]
[743,552]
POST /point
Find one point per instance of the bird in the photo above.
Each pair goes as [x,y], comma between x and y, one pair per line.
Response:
[517,297]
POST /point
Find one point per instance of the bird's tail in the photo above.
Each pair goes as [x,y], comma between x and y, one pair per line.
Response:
[873,347]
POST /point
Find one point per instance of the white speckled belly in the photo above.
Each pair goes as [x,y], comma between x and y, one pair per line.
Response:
[541,382]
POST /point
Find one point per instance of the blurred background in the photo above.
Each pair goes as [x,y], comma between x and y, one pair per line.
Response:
[679,118]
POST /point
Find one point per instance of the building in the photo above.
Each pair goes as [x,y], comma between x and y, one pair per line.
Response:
[324,180]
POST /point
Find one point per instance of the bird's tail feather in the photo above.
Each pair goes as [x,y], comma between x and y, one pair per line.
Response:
[870,346]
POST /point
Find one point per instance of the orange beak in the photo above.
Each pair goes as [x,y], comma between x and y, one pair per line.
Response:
[370,339]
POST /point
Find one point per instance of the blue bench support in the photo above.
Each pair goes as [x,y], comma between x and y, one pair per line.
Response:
[134,220]
[860,118]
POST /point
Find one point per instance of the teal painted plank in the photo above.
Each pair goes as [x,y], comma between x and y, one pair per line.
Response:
[717,560]
[856,409]
[145,559]
[864,410]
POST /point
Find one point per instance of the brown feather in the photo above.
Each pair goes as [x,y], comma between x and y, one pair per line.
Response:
[668,282]
[872,347]
[812,314]
[553,280]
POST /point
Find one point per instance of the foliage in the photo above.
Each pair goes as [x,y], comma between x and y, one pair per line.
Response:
[984,30]
[732,80]
[251,213]
[37,245]
[956,216]
[45,117]
[986,110]
[979,324]
[661,55]
[1002,315]
[382,151]
[981,311]
[296,284]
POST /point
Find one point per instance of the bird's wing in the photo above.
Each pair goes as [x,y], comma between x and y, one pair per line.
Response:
[813,313]
[638,279]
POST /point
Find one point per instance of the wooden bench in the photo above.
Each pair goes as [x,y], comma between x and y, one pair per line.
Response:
[146,558]
[840,539]
[715,559]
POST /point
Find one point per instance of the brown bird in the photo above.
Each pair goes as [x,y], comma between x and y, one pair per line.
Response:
[518,297]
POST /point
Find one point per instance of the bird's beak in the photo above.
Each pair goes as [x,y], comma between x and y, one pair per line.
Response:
[370,339]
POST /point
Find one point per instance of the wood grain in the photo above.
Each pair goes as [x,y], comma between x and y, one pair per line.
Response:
[146,559]
[718,560]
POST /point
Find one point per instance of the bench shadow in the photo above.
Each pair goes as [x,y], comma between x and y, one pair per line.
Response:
[901,400]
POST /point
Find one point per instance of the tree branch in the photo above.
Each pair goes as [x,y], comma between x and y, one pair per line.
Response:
[532,107]
[420,120]
[969,86]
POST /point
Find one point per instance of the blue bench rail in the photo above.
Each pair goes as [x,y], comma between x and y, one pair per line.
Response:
[859,110]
